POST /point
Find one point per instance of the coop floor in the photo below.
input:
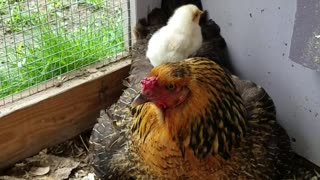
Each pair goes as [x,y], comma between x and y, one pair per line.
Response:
[68,160]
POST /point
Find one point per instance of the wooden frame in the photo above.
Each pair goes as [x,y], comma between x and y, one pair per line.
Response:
[58,113]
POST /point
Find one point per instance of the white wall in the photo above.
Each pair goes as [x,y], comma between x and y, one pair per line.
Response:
[260,47]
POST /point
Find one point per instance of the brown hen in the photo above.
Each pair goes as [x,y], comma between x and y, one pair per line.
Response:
[192,123]
[170,139]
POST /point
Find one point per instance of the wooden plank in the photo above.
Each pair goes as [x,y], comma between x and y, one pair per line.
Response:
[57,114]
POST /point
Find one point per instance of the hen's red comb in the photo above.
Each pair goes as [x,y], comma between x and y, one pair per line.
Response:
[148,83]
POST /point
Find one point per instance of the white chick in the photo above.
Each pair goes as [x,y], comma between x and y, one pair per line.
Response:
[180,38]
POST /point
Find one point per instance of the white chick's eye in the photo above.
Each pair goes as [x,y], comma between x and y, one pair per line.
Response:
[171,87]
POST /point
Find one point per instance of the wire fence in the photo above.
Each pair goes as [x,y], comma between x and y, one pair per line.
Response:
[43,39]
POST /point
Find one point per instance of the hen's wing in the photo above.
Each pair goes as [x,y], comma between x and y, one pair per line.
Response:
[284,163]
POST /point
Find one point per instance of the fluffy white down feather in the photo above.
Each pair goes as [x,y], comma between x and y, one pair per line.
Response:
[178,39]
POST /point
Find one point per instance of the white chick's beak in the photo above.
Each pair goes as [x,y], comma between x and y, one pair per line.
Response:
[197,16]
[200,12]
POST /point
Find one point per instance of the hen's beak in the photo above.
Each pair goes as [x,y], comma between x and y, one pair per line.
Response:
[140,99]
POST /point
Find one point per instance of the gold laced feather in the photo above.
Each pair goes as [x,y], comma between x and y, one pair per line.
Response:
[217,125]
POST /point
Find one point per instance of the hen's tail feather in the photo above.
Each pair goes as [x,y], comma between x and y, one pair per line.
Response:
[140,65]
[214,46]
[105,140]
[147,26]
[109,135]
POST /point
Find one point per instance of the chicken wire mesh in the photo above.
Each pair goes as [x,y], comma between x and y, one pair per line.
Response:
[43,39]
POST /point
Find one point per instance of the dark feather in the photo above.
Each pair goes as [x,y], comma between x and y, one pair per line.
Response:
[169,6]
[262,118]
[214,46]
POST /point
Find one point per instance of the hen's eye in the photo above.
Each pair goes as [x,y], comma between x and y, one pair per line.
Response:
[171,87]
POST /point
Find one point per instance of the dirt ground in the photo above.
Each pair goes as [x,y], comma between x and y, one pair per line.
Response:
[68,160]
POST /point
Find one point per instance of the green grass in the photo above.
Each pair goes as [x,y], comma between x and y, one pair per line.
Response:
[57,51]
